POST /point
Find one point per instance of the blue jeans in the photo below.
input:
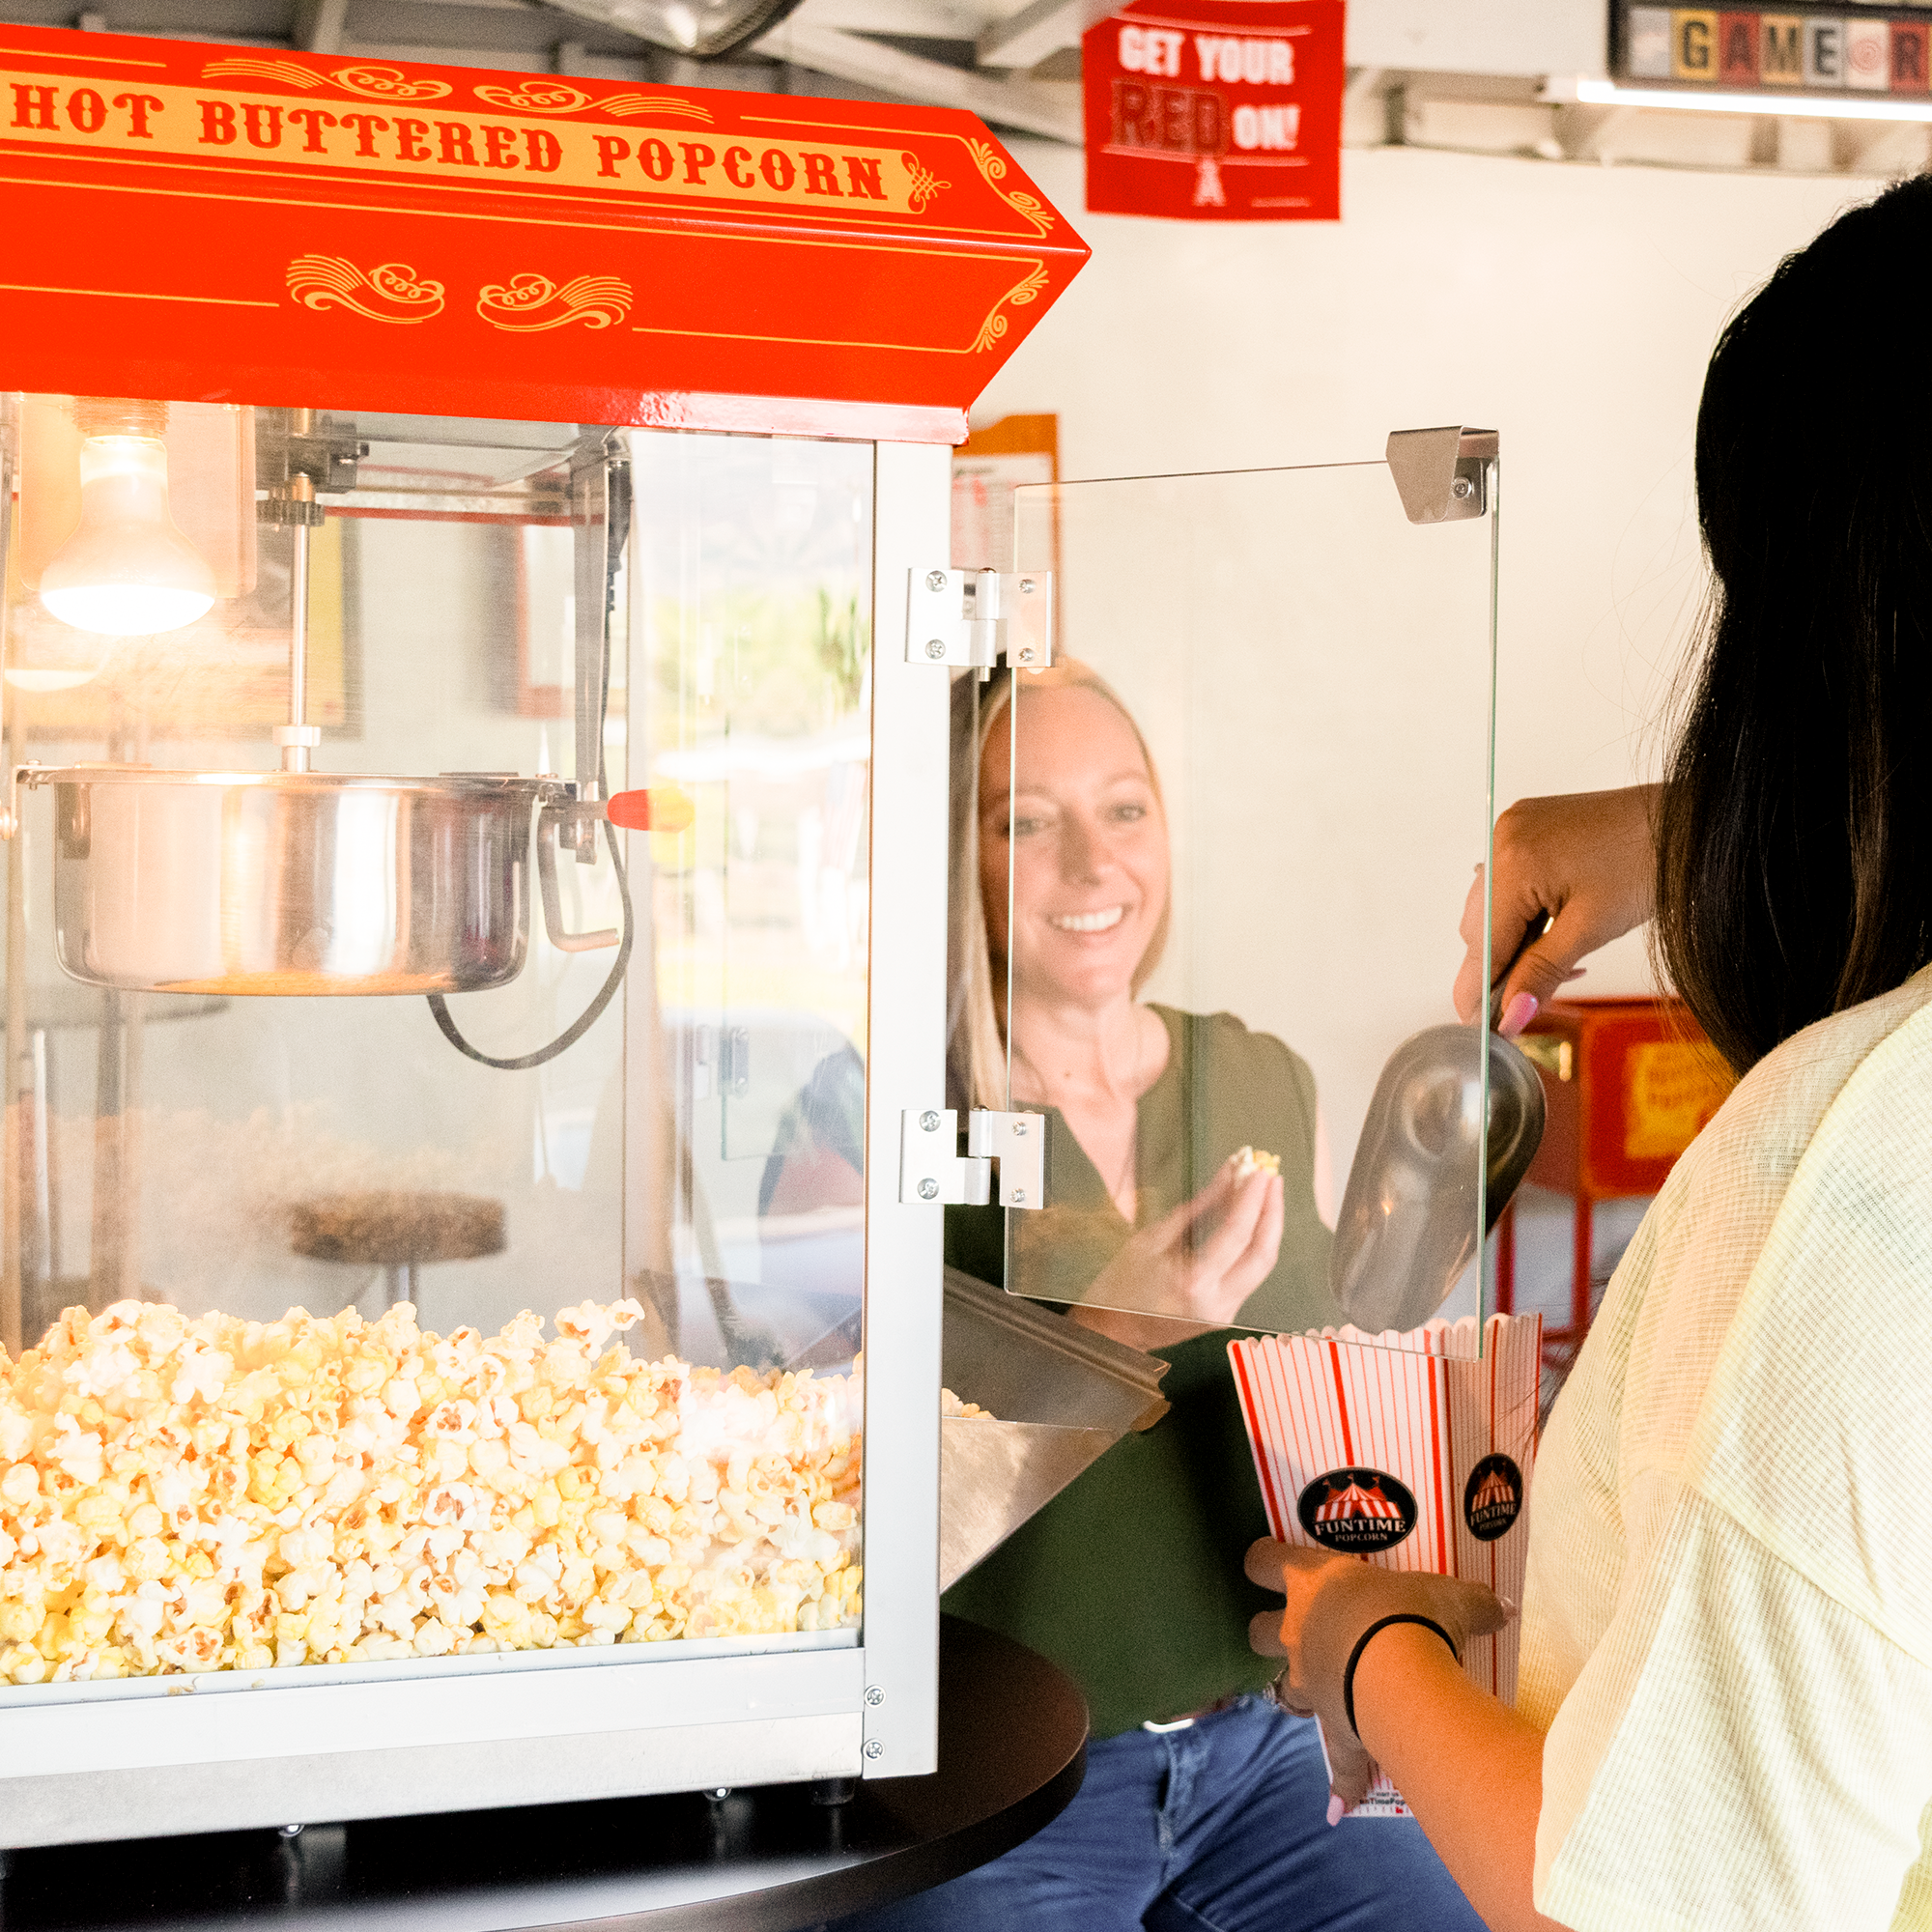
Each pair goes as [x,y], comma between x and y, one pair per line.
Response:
[1219,1828]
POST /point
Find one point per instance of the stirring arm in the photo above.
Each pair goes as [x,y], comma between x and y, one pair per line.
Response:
[549,827]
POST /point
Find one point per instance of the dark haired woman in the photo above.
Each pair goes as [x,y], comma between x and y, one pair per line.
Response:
[1725,1707]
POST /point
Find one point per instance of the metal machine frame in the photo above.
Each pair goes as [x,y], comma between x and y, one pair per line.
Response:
[887,313]
[220,1754]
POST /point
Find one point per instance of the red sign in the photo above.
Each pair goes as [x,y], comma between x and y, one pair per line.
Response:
[197,221]
[1216,110]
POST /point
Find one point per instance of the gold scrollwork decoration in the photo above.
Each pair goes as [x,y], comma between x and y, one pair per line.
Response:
[556,97]
[390,292]
[289,73]
[388,83]
[530,302]
[1018,295]
[534,97]
[925,182]
[655,108]
[1029,207]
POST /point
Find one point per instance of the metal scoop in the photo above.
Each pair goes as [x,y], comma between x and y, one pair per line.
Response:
[1408,1229]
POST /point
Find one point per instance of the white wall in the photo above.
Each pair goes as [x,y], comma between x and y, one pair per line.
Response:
[1571,307]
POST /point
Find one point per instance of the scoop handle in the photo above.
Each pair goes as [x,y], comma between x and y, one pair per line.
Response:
[1532,935]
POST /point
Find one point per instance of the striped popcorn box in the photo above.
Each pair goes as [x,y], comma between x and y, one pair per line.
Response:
[1413,1450]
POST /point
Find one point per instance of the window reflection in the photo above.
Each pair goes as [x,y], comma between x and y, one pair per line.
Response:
[1183,1149]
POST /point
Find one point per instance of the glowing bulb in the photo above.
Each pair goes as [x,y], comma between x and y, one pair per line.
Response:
[50,680]
[127,572]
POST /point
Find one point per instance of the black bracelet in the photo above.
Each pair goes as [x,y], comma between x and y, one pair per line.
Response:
[1362,1643]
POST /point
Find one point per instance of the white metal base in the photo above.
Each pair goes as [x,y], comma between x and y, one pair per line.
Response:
[78,1808]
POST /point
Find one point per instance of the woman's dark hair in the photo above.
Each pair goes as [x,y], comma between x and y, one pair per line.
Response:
[1795,831]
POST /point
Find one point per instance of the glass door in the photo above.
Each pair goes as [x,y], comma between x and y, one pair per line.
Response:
[1220,850]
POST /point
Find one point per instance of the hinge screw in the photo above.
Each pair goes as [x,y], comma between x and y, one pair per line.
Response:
[874,1696]
[1462,488]
[935,580]
[935,647]
[929,1190]
[1026,587]
[874,1749]
[1026,654]
[1019,1197]
[1019,1130]
[929,1122]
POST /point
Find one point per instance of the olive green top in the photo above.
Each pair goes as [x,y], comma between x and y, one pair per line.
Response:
[1130,1580]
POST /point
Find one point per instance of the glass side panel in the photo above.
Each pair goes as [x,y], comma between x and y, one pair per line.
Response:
[376,1333]
[752,700]
[1224,843]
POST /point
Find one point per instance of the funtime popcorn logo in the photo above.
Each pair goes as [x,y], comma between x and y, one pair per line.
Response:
[1492,1498]
[1357,1511]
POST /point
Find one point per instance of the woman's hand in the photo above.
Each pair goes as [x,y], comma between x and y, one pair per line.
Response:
[1468,1768]
[1585,862]
[1195,1266]
[1332,1600]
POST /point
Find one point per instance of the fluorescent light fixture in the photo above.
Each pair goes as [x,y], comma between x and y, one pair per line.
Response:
[1809,106]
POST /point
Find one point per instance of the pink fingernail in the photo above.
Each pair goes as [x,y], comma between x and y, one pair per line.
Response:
[1337,1810]
[1517,1014]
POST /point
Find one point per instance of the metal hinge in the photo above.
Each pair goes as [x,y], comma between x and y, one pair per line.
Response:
[1444,475]
[1018,1142]
[930,1169]
[976,618]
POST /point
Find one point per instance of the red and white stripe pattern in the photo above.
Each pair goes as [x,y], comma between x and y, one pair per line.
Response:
[1424,1406]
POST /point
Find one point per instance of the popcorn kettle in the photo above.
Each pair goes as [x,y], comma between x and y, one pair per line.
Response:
[303,882]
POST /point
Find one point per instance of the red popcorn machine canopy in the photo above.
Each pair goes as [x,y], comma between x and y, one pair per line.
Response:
[234,224]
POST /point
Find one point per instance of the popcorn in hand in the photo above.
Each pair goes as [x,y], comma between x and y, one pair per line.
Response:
[216,1494]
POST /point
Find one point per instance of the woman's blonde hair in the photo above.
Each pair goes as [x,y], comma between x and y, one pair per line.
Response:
[976,1056]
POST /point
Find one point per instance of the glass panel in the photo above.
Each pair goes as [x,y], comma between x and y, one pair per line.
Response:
[753,683]
[561,1278]
[1229,833]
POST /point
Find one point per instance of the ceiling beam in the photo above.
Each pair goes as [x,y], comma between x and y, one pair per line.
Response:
[1037,106]
[1038,30]
[1526,39]
[319,26]
[935,19]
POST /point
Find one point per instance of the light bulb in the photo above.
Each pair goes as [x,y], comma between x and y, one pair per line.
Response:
[44,680]
[127,572]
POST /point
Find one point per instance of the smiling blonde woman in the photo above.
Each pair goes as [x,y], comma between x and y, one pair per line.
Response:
[1204,1803]
[1062,906]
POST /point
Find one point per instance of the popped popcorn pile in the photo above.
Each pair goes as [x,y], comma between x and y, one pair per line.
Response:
[1249,1160]
[214,1495]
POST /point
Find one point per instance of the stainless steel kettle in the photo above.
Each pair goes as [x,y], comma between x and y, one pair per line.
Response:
[299,882]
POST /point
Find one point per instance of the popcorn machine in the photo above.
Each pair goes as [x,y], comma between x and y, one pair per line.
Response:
[472,1336]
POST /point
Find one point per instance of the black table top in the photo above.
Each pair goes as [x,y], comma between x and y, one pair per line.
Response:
[1012,1737]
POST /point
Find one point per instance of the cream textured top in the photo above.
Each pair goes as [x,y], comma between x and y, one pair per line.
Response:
[1727,1621]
